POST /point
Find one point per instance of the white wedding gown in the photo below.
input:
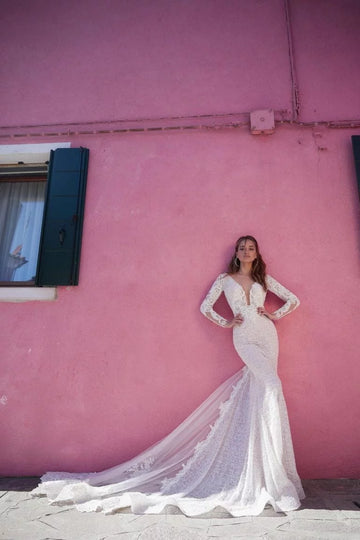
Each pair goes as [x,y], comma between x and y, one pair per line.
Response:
[233,451]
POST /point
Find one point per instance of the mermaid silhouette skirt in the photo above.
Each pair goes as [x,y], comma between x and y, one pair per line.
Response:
[233,451]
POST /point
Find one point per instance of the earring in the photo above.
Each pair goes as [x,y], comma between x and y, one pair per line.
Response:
[237,262]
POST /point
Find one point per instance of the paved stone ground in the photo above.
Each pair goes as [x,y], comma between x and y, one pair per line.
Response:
[330,510]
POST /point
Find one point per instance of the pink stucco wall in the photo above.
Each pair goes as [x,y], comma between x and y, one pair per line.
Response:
[326,41]
[138,59]
[115,363]
[95,61]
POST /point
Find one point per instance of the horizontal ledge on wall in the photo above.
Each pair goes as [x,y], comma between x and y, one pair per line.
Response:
[341,124]
[205,121]
[27,294]
[151,125]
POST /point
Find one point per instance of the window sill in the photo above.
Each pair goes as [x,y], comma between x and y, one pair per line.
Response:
[27,294]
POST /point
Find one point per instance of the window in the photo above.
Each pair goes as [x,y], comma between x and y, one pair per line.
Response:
[41,220]
[22,196]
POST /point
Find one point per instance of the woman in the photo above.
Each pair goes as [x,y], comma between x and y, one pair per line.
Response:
[235,450]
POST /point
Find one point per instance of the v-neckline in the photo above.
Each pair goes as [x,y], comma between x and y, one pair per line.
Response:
[247,297]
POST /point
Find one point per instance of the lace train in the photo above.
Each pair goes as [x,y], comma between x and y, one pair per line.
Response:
[233,451]
[201,464]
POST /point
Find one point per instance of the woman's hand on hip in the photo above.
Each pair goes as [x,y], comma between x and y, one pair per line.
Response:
[236,321]
[262,311]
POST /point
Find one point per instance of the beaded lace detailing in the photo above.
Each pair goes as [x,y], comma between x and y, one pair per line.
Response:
[257,297]
[142,466]
[291,301]
[200,455]
[206,307]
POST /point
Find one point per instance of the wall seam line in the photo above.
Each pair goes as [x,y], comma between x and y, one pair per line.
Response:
[294,81]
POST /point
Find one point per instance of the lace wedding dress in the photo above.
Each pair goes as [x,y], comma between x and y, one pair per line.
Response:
[233,451]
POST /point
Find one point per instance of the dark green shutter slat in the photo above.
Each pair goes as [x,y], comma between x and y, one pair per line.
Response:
[356,148]
[60,244]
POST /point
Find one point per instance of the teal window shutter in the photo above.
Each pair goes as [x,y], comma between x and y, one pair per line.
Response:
[60,244]
[356,149]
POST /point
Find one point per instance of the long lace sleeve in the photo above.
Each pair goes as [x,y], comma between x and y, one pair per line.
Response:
[206,307]
[291,301]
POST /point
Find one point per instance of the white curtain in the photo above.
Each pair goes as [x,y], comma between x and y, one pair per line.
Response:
[21,212]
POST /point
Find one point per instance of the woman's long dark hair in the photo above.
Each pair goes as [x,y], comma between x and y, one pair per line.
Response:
[258,269]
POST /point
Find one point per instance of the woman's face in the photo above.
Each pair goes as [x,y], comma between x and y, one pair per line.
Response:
[246,251]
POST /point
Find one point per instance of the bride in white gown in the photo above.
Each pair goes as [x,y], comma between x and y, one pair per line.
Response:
[235,449]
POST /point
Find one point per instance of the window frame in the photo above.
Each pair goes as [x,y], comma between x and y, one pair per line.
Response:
[27,153]
[22,178]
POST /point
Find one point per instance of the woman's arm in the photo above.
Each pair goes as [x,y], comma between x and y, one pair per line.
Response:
[206,307]
[291,301]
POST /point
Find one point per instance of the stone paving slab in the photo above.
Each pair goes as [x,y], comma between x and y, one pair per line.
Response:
[331,510]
